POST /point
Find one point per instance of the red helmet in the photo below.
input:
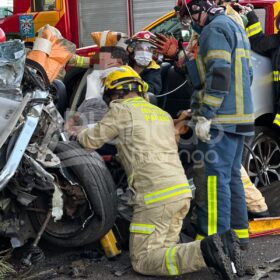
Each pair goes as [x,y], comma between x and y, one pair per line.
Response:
[2,36]
[143,36]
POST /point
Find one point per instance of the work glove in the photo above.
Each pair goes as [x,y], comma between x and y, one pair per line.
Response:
[52,52]
[166,45]
[202,128]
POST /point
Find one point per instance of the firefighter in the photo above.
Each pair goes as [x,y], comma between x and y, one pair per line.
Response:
[141,60]
[257,207]
[267,45]
[160,193]
[222,108]
[2,36]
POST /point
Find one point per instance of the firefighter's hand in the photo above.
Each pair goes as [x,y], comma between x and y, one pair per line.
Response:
[74,131]
[72,121]
[166,45]
[202,128]
[180,124]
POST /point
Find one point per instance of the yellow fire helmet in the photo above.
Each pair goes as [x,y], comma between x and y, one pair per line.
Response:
[124,80]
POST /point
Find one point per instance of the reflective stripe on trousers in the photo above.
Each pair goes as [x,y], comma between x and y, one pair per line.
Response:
[171,262]
[166,193]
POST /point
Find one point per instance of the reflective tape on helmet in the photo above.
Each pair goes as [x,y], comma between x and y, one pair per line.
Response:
[142,228]
[254,29]
[212,204]
[170,261]
[166,193]
[242,233]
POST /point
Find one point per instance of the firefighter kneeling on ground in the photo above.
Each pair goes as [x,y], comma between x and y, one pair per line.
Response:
[160,193]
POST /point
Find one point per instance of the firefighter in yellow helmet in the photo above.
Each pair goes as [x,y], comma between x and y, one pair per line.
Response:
[159,190]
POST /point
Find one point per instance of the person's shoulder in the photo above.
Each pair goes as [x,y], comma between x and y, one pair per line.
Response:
[224,24]
[220,20]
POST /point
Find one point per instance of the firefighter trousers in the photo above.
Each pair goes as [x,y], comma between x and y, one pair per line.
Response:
[254,198]
[222,206]
[153,244]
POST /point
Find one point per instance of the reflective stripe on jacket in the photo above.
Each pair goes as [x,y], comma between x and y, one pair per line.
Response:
[145,139]
[225,97]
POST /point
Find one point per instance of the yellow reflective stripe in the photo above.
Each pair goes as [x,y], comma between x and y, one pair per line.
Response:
[277,119]
[199,237]
[217,54]
[171,262]
[200,68]
[277,116]
[233,119]
[212,100]
[137,98]
[246,182]
[212,204]
[80,61]
[242,233]
[142,228]
[276,77]
[239,95]
[166,193]
[254,29]
[153,65]
[276,122]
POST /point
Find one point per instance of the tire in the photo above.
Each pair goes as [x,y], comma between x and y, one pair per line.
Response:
[266,147]
[90,172]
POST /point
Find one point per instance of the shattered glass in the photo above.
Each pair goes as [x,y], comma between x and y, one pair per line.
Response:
[12,61]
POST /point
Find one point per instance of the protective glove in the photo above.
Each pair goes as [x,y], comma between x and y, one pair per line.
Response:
[52,52]
[202,128]
[166,45]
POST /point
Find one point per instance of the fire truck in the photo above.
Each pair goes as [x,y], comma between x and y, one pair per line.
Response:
[76,19]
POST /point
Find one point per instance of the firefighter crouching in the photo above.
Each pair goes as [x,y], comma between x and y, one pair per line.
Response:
[160,193]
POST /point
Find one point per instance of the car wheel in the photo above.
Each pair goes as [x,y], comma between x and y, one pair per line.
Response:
[265,158]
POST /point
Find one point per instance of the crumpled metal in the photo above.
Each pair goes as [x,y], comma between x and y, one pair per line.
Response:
[12,62]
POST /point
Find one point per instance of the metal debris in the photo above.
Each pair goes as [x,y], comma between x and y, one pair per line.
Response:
[120,273]
[264,270]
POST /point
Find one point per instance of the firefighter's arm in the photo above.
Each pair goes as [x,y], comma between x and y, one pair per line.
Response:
[102,132]
[260,43]
[218,71]
[80,61]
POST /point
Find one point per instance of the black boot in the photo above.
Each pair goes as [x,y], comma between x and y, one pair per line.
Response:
[256,215]
[215,257]
[232,249]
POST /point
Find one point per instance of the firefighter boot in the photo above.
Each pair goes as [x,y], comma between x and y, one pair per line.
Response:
[232,249]
[215,257]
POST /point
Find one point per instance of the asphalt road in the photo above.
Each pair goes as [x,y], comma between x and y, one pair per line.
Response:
[88,263]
